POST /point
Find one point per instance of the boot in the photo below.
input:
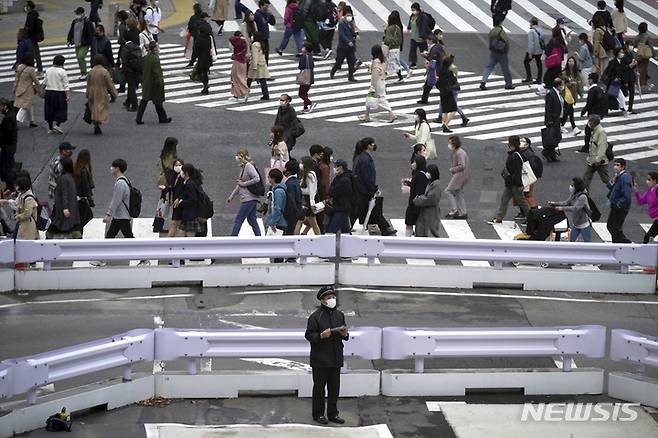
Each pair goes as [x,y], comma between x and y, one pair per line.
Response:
[332,72]
[97,130]
[400,78]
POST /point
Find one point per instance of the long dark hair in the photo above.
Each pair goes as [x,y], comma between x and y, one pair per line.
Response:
[394,19]
[67,165]
[585,39]
[307,163]
[377,52]
[421,164]
[573,72]
[169,148]
[358,148]
[251,25]
[422,115]
[81,161]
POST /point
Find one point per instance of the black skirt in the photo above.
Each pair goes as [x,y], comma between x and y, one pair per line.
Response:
[55,106]
[448,104]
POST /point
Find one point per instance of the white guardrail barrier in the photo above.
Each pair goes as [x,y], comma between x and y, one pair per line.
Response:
[27,374]
[641,349]
[498,252]
[424,343]
[610,263]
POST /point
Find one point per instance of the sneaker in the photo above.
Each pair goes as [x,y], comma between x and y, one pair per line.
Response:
[564,129]
[364,118]
[409,73]
[98,263]
[50,131]
[451,214]
[576,131]
[233,99]
[328,53]
[483,86]
[144,263]
[582,151]
[526,81]
[313,105]
[58,129]
[82,77]
[412,65]
[494,220]
[304,111]
[279,52]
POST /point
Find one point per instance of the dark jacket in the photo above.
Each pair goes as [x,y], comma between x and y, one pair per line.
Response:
[87,33]
[263,23]
[305,62]
[423,25]
[31,25]
[553,109]
[86,186]
[346,34]
[628,73]
[8,132]
[365,174]
[152,79]
[104,47]
[613,71]
[607,18]
[436,53]
[286,117]
[24,45]
[293,194]
[514,166]
[203,46]
[340,192]
[498,6]
[190,201]
[328,352]
[193,24]
[621,191]
[66,198]
[597,102]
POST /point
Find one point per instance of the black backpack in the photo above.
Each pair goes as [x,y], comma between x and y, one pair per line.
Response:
[608,41]
[134,58]
[134,199]
[59,422]
[594,212]
[38,30]
[431,22]
[206,208]
[330,13]
[292,211]
[610,155]
[257,189]
[298,19]
[536,164]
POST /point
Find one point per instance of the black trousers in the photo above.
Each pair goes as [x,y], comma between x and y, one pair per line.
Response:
[426,90]
[162,114]
[37,55]
[329,378]
[203,75]
[653,232]
[265,45]
[413,47]
[526,63]
[327,38]
[263,87]
[631,95]
[7,167]
[132,82]
[348,53]
[122,225]
[615,224]
[376,216]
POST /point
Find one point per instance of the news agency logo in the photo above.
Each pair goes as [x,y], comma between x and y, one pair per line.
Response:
[579,412]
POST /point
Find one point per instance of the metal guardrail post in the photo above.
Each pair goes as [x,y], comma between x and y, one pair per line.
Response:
[419,364]
[191,365]
[32,396]
[567,363]
[127,373]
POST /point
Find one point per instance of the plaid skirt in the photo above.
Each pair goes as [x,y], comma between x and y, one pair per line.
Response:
[189,226]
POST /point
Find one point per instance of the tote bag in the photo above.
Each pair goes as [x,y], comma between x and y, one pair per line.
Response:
[528,177]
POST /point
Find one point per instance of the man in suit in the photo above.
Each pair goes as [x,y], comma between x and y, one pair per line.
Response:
[553,113]
[597,104]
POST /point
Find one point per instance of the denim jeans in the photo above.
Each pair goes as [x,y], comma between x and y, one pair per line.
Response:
[297,34]
[247,211]
[497,58]
[585,232]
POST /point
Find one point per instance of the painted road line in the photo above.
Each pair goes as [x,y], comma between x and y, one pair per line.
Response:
[460,230]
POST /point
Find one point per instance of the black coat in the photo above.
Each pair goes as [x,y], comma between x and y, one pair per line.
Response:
[554,108]
[87,35]
[190,201]
[31,25]
[286,117]
[340,192]
[365,174]
[203,46]
[104,47]
[328,352]
[86,186]
[514,166]
[597,102]
[8,132]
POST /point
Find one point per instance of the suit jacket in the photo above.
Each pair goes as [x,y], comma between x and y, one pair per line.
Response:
[554,108]
[597,102]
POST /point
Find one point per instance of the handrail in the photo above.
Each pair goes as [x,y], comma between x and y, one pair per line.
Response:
[173,344]
[5,380]
[498,251]
[420,343]
[628,345]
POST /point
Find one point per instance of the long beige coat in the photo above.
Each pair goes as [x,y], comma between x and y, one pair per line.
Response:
[220,13]
[24,86]
[257,66]
[99,84]
[26,216]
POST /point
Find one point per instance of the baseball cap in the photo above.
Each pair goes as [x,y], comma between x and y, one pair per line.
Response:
[66,146]
[341,163]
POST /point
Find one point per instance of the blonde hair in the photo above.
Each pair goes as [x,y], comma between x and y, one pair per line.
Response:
[244,155]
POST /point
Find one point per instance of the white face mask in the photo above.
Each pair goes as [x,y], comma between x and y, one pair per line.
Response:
[301,166]
[450,146]
[349,19]
[571,189]
[237,158]
[111,169]
[331,303]
[178,169]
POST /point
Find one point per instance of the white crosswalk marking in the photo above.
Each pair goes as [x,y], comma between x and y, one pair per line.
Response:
[459,229]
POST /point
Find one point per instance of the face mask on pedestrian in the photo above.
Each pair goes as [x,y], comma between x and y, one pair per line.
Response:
[178,168]
[237,158]
[301,167]
[450,146]
[112,170]
[571,189]
[331,303]
[374,147]
[349,18]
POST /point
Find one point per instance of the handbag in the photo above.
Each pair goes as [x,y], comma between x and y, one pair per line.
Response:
[644,51]
[87,115]
[528,176]
[22,115]
[614,88]
[554,59]
[117,75]
[371,100]
[550,136]
[568,96]
[304,76]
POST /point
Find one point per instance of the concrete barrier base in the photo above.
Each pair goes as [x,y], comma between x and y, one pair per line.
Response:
[633,388]
[228,384]
[455,382]
[114,393]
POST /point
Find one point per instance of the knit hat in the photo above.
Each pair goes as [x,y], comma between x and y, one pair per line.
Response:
[324,290]
[341,163]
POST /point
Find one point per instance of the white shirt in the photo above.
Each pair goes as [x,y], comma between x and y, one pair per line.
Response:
[144,41]
[152,18]
[559,96]
[55,79]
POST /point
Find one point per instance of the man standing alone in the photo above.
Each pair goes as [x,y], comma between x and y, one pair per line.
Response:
[81,35]
[554,110]
[326,331]
[34,29]
[619,198]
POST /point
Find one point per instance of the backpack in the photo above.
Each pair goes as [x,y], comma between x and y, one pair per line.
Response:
[330,15]
[206,208]
[610,155]
[134,57]
[257,189]
[542,43]
[134,206]
[43,218]
[59,422]
[536,164]
[292,211]
[298,19]
[431,22]
[38,30]
[608,40]
[594,212]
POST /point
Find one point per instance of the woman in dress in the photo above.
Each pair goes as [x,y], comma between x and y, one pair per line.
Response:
[429,213]
[239,88]
[378,85]
[56,84]
[25,87]
[446,82]
[422,134]
[393,40]
[66,213]
[188,202]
